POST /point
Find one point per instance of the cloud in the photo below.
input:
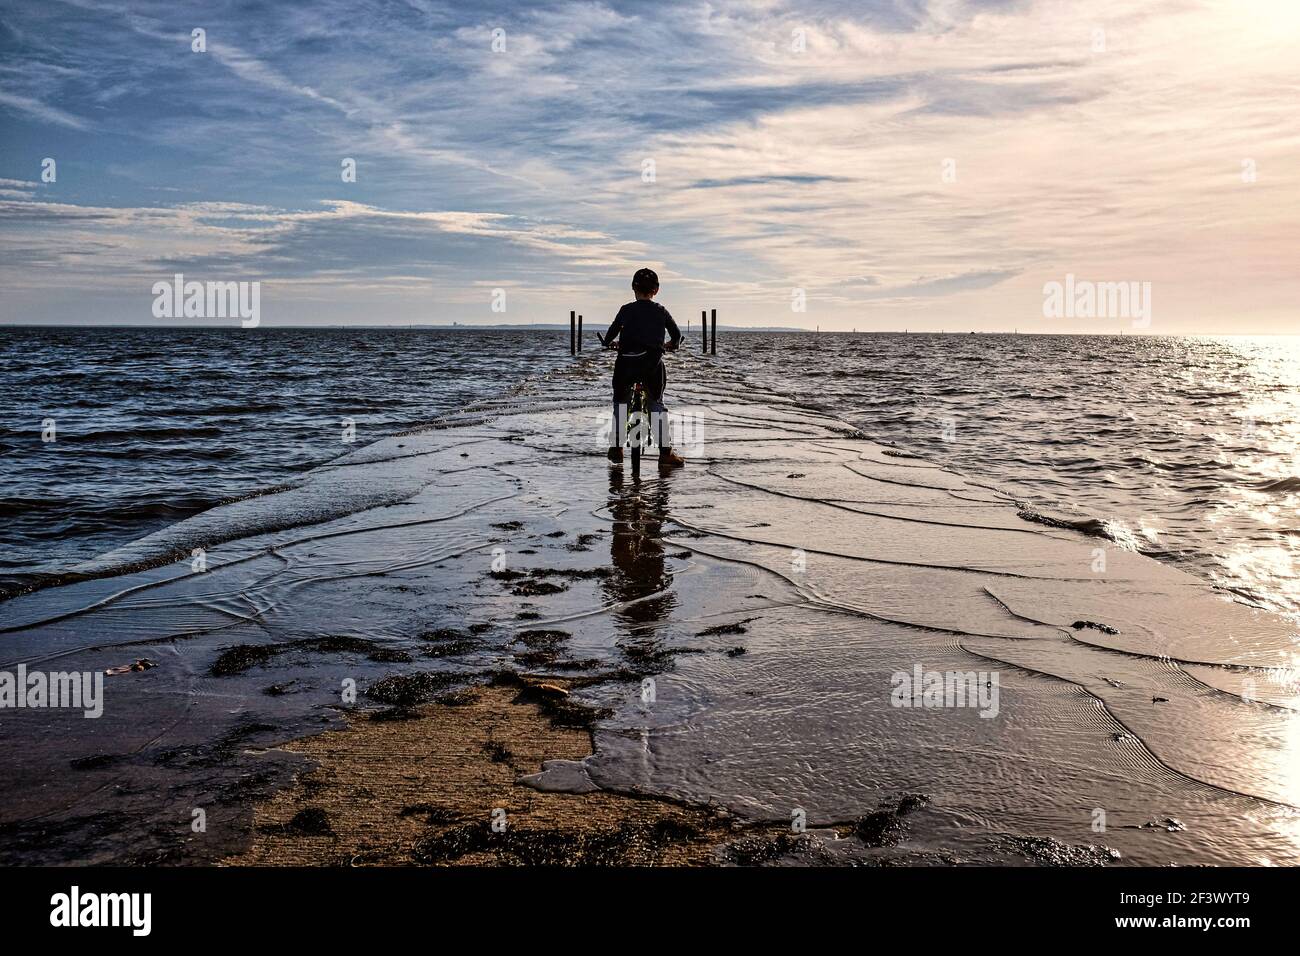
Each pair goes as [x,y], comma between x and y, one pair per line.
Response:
[945,285]
[107,245]
[987,145]
[41,111]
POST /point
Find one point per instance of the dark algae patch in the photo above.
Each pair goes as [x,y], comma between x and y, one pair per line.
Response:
[737,627]
[887,826]
[760,850]
[242,657]
[1104,628]
[94,762]
[537,588]
[627,844]
[313,821]
[497,752]
[457,698]
[542,637]
[406,690]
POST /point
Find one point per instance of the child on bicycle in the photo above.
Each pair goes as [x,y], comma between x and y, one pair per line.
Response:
[640,327]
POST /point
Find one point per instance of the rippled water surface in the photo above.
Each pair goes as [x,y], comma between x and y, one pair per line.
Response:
[772,591]
[153,425]
[1182,448]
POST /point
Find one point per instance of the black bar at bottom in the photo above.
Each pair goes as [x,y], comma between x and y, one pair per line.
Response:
[1091,902]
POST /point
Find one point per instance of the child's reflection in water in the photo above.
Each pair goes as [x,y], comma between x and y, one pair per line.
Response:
[637,554]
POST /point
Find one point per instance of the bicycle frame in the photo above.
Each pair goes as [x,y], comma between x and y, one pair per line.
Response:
[639,426]
[640,421]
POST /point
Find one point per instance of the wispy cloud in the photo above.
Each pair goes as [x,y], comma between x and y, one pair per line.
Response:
[41,111]
[954,151]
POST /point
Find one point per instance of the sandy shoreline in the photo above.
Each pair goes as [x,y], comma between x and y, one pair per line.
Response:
[732,636]
[424,787]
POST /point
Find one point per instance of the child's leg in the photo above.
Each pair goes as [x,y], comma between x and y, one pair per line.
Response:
[622,397]
[656,384]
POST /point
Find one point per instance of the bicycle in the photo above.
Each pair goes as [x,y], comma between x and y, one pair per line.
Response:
[640,419]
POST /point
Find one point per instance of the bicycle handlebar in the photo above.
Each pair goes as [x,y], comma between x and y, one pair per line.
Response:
[669,347]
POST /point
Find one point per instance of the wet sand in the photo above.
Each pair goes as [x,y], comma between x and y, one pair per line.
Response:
[426,786]
[732,635]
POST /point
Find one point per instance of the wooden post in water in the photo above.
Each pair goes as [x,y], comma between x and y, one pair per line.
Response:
[704,324]
[713,339]
[579,335]
[573,332]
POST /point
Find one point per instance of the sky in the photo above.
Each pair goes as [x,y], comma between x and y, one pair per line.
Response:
[833,164]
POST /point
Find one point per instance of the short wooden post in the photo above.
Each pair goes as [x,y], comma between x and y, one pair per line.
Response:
[579,334]
[713,339]
[704,324]
[573,332]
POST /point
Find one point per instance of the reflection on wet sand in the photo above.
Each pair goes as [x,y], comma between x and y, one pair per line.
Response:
[1132,688]
[640,583]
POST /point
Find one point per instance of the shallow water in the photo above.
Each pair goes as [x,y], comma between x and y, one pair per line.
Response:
[1182,448]
[771,590]
[154,425]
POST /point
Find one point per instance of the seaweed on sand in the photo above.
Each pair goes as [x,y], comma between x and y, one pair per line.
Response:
[241,657]
[649,657]
[572,574]
[449,642]
[433,815]
[561,709]
[1052,852]
[244,657]
[757,850]
[389,714]
[498,752]
[537,588]
[736,627]
[628,844]
[583,543]
[407,690]
[95,761]
[457,698]
[886,826]
[1104,628]
[541,637]
[311,821]
[536,659]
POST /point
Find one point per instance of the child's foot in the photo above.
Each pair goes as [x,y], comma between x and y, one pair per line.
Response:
[616,455]
[670,459]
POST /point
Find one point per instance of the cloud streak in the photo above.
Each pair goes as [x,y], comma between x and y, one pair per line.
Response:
[958,153]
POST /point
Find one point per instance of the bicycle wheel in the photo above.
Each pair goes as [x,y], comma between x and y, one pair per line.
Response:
[636,427]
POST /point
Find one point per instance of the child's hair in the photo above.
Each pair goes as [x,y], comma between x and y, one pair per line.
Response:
[645,281]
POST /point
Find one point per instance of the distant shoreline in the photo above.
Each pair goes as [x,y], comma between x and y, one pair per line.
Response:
[460,327]
[564,327]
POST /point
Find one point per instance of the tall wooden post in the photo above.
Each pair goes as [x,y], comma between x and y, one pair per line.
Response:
[704,324]
[713,343]
[573,333]
[579,334]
